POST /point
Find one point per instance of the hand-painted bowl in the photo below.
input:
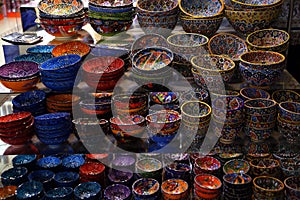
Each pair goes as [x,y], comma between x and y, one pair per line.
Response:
[72,47]
[59,193]
[22,84]
[73,162]
[163,122]
[149,168]
[292,185]
[89,106]
[146,188]
[253,93]
[117,191]
[237,181]
[49,163]
[290,167]
[30,190]
[289,111]
[205,26]
[174,189]
[199,95]
[253,4]
[236,166]
[36,57]
[127,125]
[16,70]
[63,31]
[87,191]
[67,8]
[147,40]
[66,179]
[8,192]
[157,8]
[163,97]
[43,49]
[267,186]
[207,165]
[260,106]
[201,9]
[53,119]
[120,176]
[121,162]
[62,102]
[207,186]
[87,125]
[14,176]
[289,129]
[285,95]
[46,177]
[129,101]
[110,27]
[265,167]
[92,171]
[27,161]
[15,120]
[178,171]
[195,112]
[30,99]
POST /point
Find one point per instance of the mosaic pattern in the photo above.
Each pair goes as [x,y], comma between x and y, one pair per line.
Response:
[18,69]
[250,4]
[156,6]
[63,31]
[41,49]
[110,27]
[36,57]
[204,8]
[285,95]
[236,166]
[60,8]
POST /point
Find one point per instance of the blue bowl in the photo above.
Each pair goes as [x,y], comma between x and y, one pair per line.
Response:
[34,111]
[44,49]
[27,161]
[14,176]
[88,191]
[109,9]
[59,86]
[73,162]
[60,193]
[34,57]
[53,119]
[290,111]
[46,177]
[54,133]
[30,190]
[66,179]
[60,126]
[49,162]
[54,141]
[30,99]
[62,64]
[57,75]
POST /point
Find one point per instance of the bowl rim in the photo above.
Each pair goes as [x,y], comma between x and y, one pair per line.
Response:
[253,10]
[278,91]
[208,176]
[268,177]
[242,160]
[8,65]
[114,185]
[166,112]
[277,164]
[156,12]
[186,46]
[151,159]
[213,70]
[145,179]
[56,98]
[258,89]
[237,38]
[196,164]
[141,121]
[256,5]
[260,108]
[187,17]
[286,180]
[291,123]
[248,176]
[202,16]
[77,61]
[201,102]
[73,44]
[184,185]
[266,30]
[286,110]
[101,58]
[282,60]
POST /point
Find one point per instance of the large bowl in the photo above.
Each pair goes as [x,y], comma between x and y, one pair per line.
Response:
[18,70]
[34,57]
[171,192]
[268,187]
[201,9]
[71,47]
[22,84]
[60,9]
[285,95]
[207,186]
[63,31]
[290,111]
[157,8]
[146,188]
[253,4]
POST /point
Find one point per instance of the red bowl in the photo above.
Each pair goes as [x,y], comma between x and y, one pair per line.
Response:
[17,140]
[207,184]
[92,169]
[26,124]
[101,77]
[14,120]
[71,47]
[207,164]
[64,31]
[103,85]
[128,125]
[19,130]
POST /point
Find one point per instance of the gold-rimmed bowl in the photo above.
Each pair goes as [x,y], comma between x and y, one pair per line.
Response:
[201,9]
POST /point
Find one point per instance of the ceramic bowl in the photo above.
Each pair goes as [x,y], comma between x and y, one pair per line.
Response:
[114,5]
[66,179]
[117,191]
[268,40]
[72,162]
[152,60]
[59,193]
[49,163]
[163,97]
[292,187]
[288,129]
[265,167]
[92,171]
[129,101]
[14,176]
[290,167]
[251,4]
[53,119]
[72,47]
[121,162]
[157,8]
[127,125]
[15,119]
[266,187]
[195,112]
[227,132]
[91,107]
[205,26]
[22,84]
[60,9]
[30,190]
[44,49]
[63,31]
[174,189]
[228,109]
[100,13]
[285,95]
[149,168]
[260,107]
[253,93]
[38,57]
[147,40]
[110,27]
[27,161]
[62,102]
[290,111]
[203,9]
[8,192]
[257,134]
[242,21]
[178,171]
[199,95]
[46,177]
[18,70]
[237,181]
[87,125]
[67,20]
[163,122]
[88,191]
[146,188]
[236,166]
[207,165]
[122,176]
[207,186]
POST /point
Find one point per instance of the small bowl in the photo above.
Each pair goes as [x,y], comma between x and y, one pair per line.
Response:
[127,126]
[120,176]
[246,4]
[195,112]
[203,9]
[174,189]
[285,95]
[66,179]
[8,192]
[254,93]
[236,166]
[36,57]
[109,27]
[290,111]
[27,161]
[59,193]
[292,187]
[207,186]
[14,176]
[163,97]
[46,177]
[266,167]
[237,181]
[49,163]
[91,107]
[266,187]
[92,171]
[118,191]
[157,8]
[43,49]
[53,119]
[147,40]
[30,190]
[178,171]
[199,95]
[121,162]
[22,84]
[207,165]
[30,99]
[288,129]
[290,167]
[129,101]
[16,70]
[146,188]
[260,106]
[72,47]
[88,191]
[15,119]
[73,162]
[149,168]
[63,31]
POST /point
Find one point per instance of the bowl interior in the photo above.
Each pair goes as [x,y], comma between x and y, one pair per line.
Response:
[117,191]
[128,120]
[104,64]
[291,107]
[187,40]
[268,183]
[285,95]
[237,179]
[71,47]
[254,93]
[195,109]
[162,117]
[157,6]
[262,57]
[205,8]
[236,166]
[260,103]
[268,38]
[208,181]
[145,186]
[19,69]
[208,163]
[60,62]
[215,63]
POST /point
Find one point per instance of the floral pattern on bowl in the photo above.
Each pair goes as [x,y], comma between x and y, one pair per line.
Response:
[236,166]
[285,95]
[201,9]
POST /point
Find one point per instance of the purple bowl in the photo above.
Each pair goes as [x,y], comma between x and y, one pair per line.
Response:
[18,69]
[117,191]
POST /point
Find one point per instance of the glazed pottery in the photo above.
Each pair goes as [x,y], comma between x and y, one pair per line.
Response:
[289,129]
[285,95]
[73,47]
[66,179]
[14,176]
[260,107]
[62,102]
[195,112]
[123,162]
[18,70]
[30,190]
[289,111]
[88,191]
[265,167]
[149,168]
[21,85]
[122,176]
[267,187]
[292,187]
[34,57]
[110,27]
[146,188]
[253,93]
[127,126]
[290,167]
[43,49]
[147,40]
[7,192]
[236,166]
[198,95]
[59,193]
[252,4]
[163,97]
[46,177]
[207,186]
[72,162]
[174,189]
[92,171]
[91,107]
[207,165]
[49,163]
[203,9]
[158,8]
[119,191]
[27,161]
[177,171]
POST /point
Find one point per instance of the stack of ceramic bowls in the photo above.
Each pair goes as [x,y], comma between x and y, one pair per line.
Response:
[228,117]
[260,117]
[91,107]
[62,102]
[184,47]
[203,17]
[207,186]
[249,16]
[158,17]
[16,128]
[289,120]
[212,72]
[237,186]
[61,18]
[19,76]
[59,73]
[111,17]
[163,125]
[163,101]
[92,171]
[31,101]
[130,104]
[267,187]
[103,73]
[152,65]
[54,128]
[261,68]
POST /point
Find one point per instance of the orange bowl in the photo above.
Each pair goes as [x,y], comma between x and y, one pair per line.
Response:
[21,85]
